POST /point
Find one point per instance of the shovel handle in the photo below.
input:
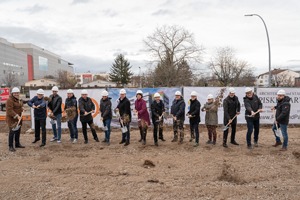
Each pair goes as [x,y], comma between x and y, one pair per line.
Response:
[232,119]
[20,118]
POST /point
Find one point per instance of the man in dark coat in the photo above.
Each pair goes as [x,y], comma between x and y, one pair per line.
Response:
[87,107]
[157,110]
[194,115]
[253,107]
[54,105]
[178,110]
[232,108]
[124,111]
[40,114]
[72,115]
[106,115]
[282,116]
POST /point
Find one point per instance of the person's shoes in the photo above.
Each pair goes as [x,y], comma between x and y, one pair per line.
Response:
[103,141]
[58,141]
[140,140]
[96,139]
[12,149]
[20,146]
[74,141]
[35,140]
[156,143]
[174,139]
[249,146]
[162,139]
[283,149]
[208,142]
[225,145]
[122,142]
[53,139]
[144,142]
[71,140]
[180,141]
[108,143]
[196,144]
[42,145]
[277,144]
[234,143]
[191,140]
[255,144]
[86,141]
[126,143]
[214,143]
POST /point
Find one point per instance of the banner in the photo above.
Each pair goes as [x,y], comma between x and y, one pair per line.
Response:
[215,91]
[167,94]
[268,99]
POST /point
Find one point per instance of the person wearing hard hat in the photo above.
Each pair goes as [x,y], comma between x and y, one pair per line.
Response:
[232,108]
[194,116]
[40,114]
[157,110]
[124,111]
[54,104]
[143,115]
[253,107]
[72,115]
[282,115]
[106,115]
[177,110]
[14,109]
[211,118]
[87,107]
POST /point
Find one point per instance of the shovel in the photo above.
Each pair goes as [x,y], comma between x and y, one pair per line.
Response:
[227,125]
[88,113]
[18,126]
[252,115]
[104,128]
[123,128]
[278,132]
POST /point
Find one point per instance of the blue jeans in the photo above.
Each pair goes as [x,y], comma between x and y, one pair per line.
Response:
[57,133]
[284,132]
[72,125]
[252,124]
[107,133]
[194,128]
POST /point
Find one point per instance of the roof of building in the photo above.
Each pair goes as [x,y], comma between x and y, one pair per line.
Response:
[274,72]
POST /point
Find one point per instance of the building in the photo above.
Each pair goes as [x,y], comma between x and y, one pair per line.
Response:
[83,78]
[28,62]
[99,83]
[280,77]
[41,83]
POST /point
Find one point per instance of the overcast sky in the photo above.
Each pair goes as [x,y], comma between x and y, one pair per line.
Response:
[89,33]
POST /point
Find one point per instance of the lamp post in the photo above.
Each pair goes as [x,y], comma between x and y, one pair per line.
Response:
[270,73]
[140,77]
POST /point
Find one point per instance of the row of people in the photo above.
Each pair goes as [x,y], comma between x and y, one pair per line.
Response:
[231,104]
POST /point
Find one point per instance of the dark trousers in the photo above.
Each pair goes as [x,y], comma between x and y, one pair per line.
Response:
[40,124]
[158,127]
[72,125]
[178,125]
[212,133]
[14,135]
[126,136]
[84,129]
[194,127]
[232,136]
[252,124]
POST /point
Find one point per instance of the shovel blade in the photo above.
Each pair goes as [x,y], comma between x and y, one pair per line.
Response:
[16,128]
[225,128]
[124,129]
[278,133]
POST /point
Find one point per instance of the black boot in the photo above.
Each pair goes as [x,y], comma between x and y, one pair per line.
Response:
[19,146]
[12,149]
[141,134]
[35,140]
[175,139]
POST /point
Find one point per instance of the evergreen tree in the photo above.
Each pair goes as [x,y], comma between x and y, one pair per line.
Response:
[120,71]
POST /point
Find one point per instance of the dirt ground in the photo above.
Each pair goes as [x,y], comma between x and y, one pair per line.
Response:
[169,171]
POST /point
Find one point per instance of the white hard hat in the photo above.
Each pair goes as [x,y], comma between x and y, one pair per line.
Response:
[156,95]
[281,92]
[104,93]
[70,91]
[210,96]
[84,92]
[55,88]
[15,90]
[40,91]
[248,89]
[139,92]
[193,93]
[122,91]
[177,93]
[231,90]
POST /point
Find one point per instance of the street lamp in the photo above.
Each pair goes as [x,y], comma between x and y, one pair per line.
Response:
[270,73]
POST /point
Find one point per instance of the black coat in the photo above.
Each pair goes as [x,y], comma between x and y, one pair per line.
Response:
[178,109]
[252,104]
[231,106]
[71,102]
[105,109]
[86,105]
[194,111]
[124,107]
[156,110]
[55,104]
[283,108]
[39,113]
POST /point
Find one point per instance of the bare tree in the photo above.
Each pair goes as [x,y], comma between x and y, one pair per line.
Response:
[172,47]
[65,79]
[228,69]
[10,80]
[283,80]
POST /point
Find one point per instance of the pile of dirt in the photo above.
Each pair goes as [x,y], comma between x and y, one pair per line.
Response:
[229,174]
